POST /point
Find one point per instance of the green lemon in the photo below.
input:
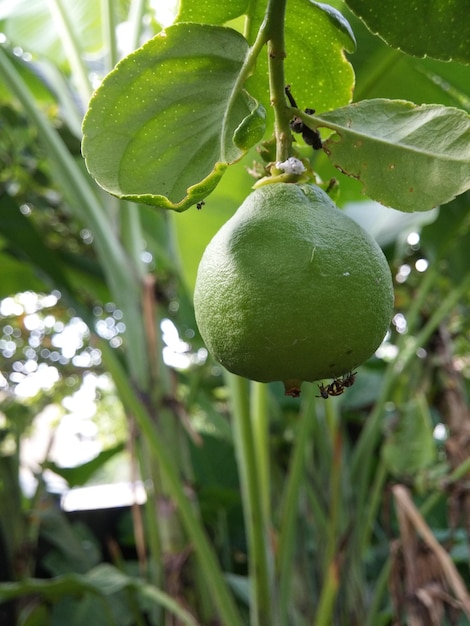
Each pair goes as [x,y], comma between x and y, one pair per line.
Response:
[291,289]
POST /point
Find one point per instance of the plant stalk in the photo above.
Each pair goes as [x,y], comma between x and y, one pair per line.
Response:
[72,49]
[290,505]
[109,22]
[275,16]
[135,20]
[258,534]
[260,428]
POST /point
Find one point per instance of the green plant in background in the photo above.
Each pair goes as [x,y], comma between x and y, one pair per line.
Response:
[162,130]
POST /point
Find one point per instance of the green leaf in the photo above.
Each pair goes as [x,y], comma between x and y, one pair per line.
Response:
[384,72]
[78,476]
[210,11]
[339,22]
[437,29]
[159,129]
[409,157]
[103,580]
[66,541]
[410,447]
[251,129]
[316,36]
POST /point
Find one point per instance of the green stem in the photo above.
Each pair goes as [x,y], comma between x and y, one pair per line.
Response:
[154,595]
[335,481]
[374,501]
[223,600]
[275,15]
[324,615]
[290,508]
[271,32]
[260,429]
[135,20]
[108,19]
[261,606]
[155,564]
[132,236]
[379,592]
[72,49]
[331,583]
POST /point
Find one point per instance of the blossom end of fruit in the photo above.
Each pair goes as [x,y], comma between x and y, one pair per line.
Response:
[292,388]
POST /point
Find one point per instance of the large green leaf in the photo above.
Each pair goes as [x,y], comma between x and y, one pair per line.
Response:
[419,27]
[316,36]
[409,157]
[160,128]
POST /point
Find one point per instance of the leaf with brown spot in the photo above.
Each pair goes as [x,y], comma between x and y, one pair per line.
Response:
[408,157]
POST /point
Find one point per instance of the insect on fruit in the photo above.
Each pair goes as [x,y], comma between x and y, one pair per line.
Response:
[349,379]
[338,386]
[335,388]
[323,391]
[199,205]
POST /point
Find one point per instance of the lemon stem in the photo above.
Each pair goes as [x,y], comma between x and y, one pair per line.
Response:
[275,15]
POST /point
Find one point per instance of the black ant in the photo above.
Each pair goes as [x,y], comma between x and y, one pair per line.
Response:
[309,135]
[349,379]
[323,391]
[199,205]
[337,387]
